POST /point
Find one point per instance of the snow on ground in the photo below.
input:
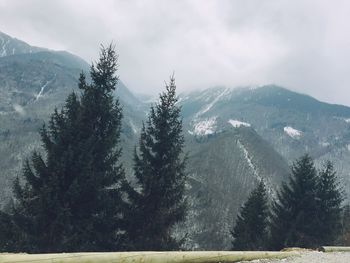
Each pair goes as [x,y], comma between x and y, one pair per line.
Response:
[347,120]
[42,89]
[204,127]
[325,144]
[254,169]
[40,94]
[211,104]
[4,43]
[133,126]
[249,160]
[294,133]
[311,257]
[19,109]
[237,124]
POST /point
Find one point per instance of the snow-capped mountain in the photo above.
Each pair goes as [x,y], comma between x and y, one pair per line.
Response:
[292,123]
[12,46]
[281,126]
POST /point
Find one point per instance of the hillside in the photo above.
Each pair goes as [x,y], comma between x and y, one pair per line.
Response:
[32,85]
[223,169]
[292,123]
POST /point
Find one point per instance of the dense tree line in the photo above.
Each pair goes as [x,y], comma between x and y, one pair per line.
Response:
[307,212]
[75,197]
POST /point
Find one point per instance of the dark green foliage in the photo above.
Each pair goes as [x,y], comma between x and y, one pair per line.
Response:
[329,205]
[308,210]
[250,230]
[8,234]
[158,202]
[344,238]
[294,215]
[69,199]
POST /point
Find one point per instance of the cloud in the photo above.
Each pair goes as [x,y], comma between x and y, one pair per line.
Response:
[301,44]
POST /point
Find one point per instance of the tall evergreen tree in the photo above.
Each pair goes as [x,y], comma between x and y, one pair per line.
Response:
[329,198]
[250,230]
[70,198]
[8,234]
[294,215]
[344,238]
[158,202]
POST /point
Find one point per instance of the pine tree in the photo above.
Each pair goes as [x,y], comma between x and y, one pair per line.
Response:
[344,238]
[70,198]
[250,230]
[158,202]
[7,233]
[329,197]
[294,215]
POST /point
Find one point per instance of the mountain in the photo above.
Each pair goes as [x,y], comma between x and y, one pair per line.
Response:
[33,82]
[13,46]
[223,168]
[291,122]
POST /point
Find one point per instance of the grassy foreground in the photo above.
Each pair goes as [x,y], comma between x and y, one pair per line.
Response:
[146,257]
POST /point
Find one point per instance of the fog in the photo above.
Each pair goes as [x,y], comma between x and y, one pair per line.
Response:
[303,45]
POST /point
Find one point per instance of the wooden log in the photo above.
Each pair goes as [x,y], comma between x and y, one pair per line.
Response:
[146,257]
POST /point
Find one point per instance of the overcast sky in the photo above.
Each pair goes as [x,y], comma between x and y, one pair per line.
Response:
[303,45]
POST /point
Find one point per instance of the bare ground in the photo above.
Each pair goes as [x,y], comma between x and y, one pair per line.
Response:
[312,257]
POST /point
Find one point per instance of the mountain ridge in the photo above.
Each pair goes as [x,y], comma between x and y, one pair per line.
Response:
[293,123]
[12,46]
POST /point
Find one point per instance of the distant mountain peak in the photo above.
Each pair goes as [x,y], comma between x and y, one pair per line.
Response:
[13,46]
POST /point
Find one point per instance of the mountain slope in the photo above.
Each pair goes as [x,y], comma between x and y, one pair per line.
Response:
[223,169]
[12,46]
[292,123]
[32,85]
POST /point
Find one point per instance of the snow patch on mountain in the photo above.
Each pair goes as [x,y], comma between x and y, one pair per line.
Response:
[254,169]
[325,144]
[207,107]
[347,120]
[294,133]
[253,87]
[204,127]
[236,123]
[19,109]
[4,43]
[42,89]
[40,94]
[133,126]
[249,160]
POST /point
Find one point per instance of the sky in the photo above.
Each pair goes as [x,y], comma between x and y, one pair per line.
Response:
[303,45]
